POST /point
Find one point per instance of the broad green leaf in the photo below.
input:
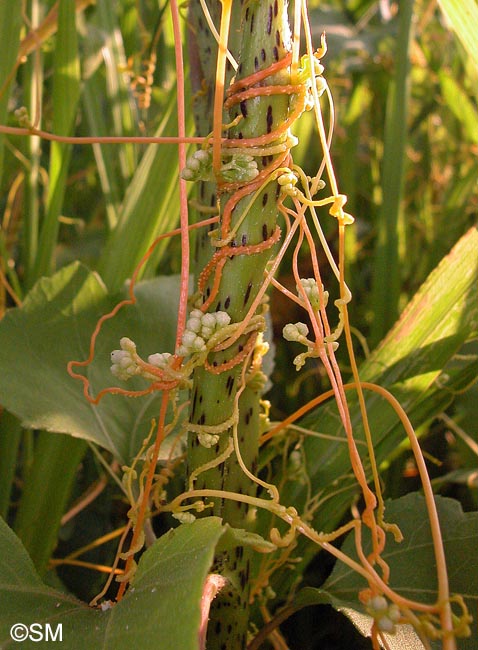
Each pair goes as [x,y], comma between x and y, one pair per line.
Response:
[53,327]
[412,562]
[160,610]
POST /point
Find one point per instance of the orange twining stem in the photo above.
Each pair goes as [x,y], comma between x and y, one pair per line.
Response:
[101,139]
[168,384]
[273,135]
[256,77]
[263,91]
[219,259]
[144,504]
[236,360]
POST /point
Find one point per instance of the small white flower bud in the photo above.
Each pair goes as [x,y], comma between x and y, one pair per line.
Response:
[198,344]
[193,163]
[194,324]
[222,318]
[386,625]
[208,321]
[188,338]
[187,174]
[202,155]
[207,332]
[293,331]
[160,359]
[126,362]
[127,344]
[116,356]
[378,604]
[394,613]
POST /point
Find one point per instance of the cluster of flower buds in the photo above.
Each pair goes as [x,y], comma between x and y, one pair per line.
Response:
[208,440]
[241,167]
[385,614]
[198,167]
[296,332]
[311,68]
[199,329]
[124,361]
[288,181]
[312,292]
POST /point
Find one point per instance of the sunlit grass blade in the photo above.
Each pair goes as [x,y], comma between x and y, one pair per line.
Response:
[386,277]
[120,103]
[10,23]
[463,18]
[116,116]
[150,208]
[66,92]
[461,105]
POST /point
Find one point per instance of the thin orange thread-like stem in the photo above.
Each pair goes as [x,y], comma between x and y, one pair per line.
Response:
[219,86]
[102,139]
[256,77]
[141,515]
[128,301]
[183,197]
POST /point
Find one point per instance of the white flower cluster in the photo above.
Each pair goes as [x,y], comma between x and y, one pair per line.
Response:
[208,440]
[307,66]
[386,615]
[198,166]
[199,329]
[242,167]
[288,181]
[160,359]
[125,361]
[312,291]
[295,332]
[298,332]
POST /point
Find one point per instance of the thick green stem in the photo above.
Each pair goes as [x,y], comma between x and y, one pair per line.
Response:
[265,39]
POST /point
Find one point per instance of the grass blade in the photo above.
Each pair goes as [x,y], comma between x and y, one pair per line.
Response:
[386,281]
[46,492]
[150,208]
[10,23]
[463,18]
[66,92]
